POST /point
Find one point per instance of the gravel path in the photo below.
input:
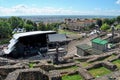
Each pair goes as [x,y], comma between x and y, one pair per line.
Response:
[72,50]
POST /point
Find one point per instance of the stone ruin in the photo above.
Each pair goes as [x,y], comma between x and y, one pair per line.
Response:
[46,70]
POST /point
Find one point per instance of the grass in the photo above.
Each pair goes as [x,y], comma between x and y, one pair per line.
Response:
[84,64]
[99,71]
[70,68]
[110,57]
[31,65]
[66,32]
[117,63]
[72,77]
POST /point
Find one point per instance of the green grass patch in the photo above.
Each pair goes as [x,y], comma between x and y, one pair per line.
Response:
[72,77]
[31,65]
[110,57]
[66,32]
[99,71]
[84,64]
[69,68]
[117,63]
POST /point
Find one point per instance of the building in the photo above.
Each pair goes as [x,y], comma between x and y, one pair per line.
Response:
[78,24]
[85,50]
[100,44]
[81,49]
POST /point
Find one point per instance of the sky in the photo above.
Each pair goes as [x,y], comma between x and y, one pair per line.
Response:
[59,7]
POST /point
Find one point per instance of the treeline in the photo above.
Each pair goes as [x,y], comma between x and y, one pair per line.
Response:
[105,24]
[7,25]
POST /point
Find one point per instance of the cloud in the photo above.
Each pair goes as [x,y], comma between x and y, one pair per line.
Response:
[27,10]
[20,6]
[118,2]
[22,9]
[98,9]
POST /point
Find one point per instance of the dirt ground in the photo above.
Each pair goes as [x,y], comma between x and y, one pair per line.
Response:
[72,50]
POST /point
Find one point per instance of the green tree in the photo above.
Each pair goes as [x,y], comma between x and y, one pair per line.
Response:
[118,19]
[105,27]
[30,22]
[28,27]
[99,22]
[113,20]
[109,21]
[41,26]
[118,26]
[49,26]
[16,22]
[5,30]
[92,26]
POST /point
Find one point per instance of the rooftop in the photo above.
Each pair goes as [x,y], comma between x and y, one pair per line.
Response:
[84,46]
[99,41]
[16,36]
[89,49]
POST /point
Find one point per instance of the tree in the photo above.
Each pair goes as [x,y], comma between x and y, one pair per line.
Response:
[5,30]
[105,27]
[109,21]
[99,22]
[118,26]
[29,22]
[92,26]
[49,27]
[16,22]
[113,20]
[118,19]
[28,27]
[41,26]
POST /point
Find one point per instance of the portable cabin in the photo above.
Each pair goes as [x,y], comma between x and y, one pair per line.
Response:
[82,49]
[100,44]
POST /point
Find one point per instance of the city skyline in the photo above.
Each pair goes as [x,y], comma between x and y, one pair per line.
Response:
[61,7]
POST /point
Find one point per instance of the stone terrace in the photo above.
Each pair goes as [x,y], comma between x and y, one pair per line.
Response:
[46,70]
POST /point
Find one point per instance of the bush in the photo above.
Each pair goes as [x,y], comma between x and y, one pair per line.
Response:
[105,27]
[31,65]
[5,41]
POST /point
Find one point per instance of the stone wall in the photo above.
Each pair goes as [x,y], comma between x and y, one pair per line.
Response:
[55,75]
[105,64]
[5,61]
[109,65]
[5,70]
[85,74]
[112,76]
[28,74]
[94,65]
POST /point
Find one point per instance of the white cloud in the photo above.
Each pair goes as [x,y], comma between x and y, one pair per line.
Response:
[20,6]
[27,10]
[118,2]
[98,9]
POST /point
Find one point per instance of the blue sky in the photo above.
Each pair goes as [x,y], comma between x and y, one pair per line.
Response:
[59,7]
